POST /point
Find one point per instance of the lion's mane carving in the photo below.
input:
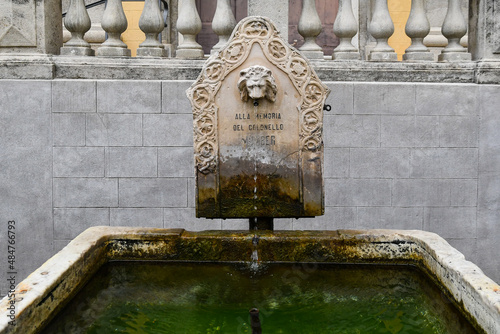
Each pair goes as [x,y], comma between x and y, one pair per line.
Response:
[257,82]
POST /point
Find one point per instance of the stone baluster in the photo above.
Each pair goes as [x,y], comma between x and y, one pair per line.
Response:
[223,23]
[77,21]
[454,28]
[189,25]
[345,28]
[381,28]
[310,27]
[417,27]
[151,23]
[114,23]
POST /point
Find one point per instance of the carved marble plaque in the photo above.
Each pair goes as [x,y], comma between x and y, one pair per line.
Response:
[258,122]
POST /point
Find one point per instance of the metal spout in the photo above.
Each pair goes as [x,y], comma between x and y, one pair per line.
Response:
[255,321]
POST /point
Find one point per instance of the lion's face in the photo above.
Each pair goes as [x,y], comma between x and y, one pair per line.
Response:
[257,82]
[256,87]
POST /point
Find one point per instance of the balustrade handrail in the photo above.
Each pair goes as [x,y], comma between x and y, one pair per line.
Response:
[101,2]
[91,5]
[346,26]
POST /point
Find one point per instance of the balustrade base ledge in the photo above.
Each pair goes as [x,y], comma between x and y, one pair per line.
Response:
[77,51]
[111,51]
[65,67]
[455,56]
[340,55]
[190,53]
[382,56]
[419,56]
[313,54]
[151,52]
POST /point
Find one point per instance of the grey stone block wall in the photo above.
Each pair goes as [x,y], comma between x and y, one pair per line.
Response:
[488,206]
[81,153]
[25,174]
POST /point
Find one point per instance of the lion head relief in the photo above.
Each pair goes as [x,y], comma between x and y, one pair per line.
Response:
[257,82]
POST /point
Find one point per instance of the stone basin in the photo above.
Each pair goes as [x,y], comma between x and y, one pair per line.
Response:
[47,290]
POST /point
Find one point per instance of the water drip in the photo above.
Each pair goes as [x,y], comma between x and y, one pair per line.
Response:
[254,259]
[255,256]
[255,196]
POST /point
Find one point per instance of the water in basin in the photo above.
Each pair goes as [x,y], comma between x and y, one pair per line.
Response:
[169,297]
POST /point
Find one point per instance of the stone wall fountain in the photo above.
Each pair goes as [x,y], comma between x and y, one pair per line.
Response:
[258,122]
[257,109]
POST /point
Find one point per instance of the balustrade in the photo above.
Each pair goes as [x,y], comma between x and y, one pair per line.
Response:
[454,28]
[223,23]
[77,21]
[114,23]
[346,27]
[417,28]
[309,28]
[189,25]
[381,28]
[151,23]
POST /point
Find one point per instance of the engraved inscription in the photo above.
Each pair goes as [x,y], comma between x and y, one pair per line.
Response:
[257,123]
[259,141]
